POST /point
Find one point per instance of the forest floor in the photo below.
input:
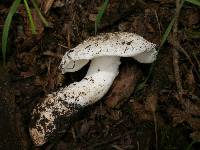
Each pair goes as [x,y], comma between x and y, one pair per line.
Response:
[163,113]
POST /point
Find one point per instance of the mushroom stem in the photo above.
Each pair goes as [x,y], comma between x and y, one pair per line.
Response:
[53,114]
[96,83]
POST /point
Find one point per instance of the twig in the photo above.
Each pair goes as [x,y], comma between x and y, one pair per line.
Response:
[138,145]
[177,73]
[74,134]
[117,147]
[155,128]
[177,45]
[63,46]
[195,57]
[179,4]
[174,40]
[159,26]
[175,27]
[49,53]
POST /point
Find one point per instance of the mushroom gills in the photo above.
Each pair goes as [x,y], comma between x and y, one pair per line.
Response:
[67,101]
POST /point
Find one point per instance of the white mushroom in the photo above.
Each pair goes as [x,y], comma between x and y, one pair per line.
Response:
[53,114]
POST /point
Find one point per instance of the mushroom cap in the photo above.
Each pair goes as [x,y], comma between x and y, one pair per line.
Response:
[121,44]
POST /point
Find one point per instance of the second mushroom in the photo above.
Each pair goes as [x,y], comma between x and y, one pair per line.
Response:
[52,115]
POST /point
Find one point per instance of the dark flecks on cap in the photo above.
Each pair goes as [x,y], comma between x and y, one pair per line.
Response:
[129,43]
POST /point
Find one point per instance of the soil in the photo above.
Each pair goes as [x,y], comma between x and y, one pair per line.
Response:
[162,113]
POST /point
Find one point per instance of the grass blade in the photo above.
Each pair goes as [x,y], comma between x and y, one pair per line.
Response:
[169,28]
[167,31]
[33,28]
[39,13]
[100,14]
[6,27]
[164,39]
[195,2]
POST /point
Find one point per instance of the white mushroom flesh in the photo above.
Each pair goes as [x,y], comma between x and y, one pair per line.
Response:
[54,113]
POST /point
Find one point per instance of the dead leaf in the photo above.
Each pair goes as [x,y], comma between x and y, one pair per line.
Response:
[115,114]
[124,85]
[140,111]
[46,5]
[178,116]
[190,107]
[151,102]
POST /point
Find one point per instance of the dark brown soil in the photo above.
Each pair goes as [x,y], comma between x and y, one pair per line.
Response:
[163,113]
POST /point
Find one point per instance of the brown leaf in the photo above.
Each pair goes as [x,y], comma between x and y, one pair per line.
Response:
[115,114]
[178,116]
[140,111]
[151,102]
[46,5]
[123,85]
[190,107]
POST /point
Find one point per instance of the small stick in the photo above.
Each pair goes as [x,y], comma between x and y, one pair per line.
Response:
[177,73]
[175,52]
[159,26]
